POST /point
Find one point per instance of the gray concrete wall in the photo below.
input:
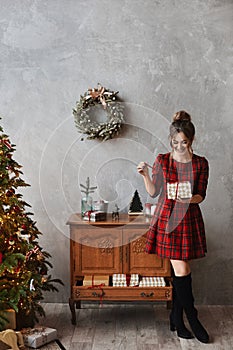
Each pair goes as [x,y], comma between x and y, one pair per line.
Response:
[162,56]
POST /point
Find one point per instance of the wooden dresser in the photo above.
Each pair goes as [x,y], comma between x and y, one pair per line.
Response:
[113,247]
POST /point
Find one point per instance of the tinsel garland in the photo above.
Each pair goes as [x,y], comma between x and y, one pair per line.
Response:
[112,108]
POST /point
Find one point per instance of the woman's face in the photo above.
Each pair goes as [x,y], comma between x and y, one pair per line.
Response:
[180,144]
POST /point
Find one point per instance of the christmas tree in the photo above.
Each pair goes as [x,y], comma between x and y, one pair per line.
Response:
[23,263]
[135,206]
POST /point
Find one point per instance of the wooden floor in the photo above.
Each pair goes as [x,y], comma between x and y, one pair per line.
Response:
[134,327]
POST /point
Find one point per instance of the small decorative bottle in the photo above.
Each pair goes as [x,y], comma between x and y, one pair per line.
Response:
[87,201]
[148,209]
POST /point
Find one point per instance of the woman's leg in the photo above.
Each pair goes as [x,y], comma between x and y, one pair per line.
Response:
[176,315]
[180,267]
[182,283]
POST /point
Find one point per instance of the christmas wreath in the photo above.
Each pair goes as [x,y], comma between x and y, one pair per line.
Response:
[114,114]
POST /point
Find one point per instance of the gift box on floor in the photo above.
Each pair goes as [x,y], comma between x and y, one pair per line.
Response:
[9,314]
[36,337]
[96,280]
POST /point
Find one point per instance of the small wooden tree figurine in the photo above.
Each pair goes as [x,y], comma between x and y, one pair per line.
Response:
[135,206]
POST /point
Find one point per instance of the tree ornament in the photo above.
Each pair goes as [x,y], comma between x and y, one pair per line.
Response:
[6,143]
[10,192]
[24,235]
[35,250]
[113,109]
[44,279]
[17,209]
[43,271]
[31,285]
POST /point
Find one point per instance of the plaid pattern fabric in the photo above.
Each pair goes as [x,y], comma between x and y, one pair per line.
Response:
[177,229]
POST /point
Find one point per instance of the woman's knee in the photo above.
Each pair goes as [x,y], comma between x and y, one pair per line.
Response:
[180,267]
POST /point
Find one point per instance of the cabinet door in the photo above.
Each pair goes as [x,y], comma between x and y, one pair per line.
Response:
[97,251]
[137,260]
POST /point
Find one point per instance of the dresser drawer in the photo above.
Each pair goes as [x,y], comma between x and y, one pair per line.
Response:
[123,293]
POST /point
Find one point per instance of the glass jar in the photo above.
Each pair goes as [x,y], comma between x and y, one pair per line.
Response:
[86,204]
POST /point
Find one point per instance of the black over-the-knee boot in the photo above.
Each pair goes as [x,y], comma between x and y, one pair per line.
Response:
[176,319]
[183,287]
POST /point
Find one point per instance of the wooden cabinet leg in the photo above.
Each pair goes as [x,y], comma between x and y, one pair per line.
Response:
[78,304]
[169,305]
[72,309]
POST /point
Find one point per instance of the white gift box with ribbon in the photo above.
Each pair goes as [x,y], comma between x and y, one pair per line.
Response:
[37,337]
[179,189]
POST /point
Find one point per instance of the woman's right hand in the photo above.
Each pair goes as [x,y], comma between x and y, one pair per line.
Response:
[142,169]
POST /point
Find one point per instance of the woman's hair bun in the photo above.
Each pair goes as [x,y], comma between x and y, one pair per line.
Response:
[182,116]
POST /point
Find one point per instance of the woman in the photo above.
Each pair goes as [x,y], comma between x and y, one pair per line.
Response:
[177,230]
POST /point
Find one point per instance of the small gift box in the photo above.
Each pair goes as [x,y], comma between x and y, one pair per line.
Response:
[119,280]
[96,280]
[134,280]
[152,282]
[95,216]
[179,189]
[36,337]
[9,314]
[125,280]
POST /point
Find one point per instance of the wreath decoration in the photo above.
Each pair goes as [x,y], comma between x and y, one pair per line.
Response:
[114,113]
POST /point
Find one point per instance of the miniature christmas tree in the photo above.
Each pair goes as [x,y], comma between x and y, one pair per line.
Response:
[135,206]
[86,201]
[23,263]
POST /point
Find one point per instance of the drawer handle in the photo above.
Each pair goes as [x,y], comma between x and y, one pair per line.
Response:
[98,295]
[143,294]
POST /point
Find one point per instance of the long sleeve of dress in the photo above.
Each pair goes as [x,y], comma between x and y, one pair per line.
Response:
[203,178]
[157,175]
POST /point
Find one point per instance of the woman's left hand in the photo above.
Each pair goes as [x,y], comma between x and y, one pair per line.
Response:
[183,200]
[195,199]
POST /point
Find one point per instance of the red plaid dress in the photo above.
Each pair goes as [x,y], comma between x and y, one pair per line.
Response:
[177,229]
